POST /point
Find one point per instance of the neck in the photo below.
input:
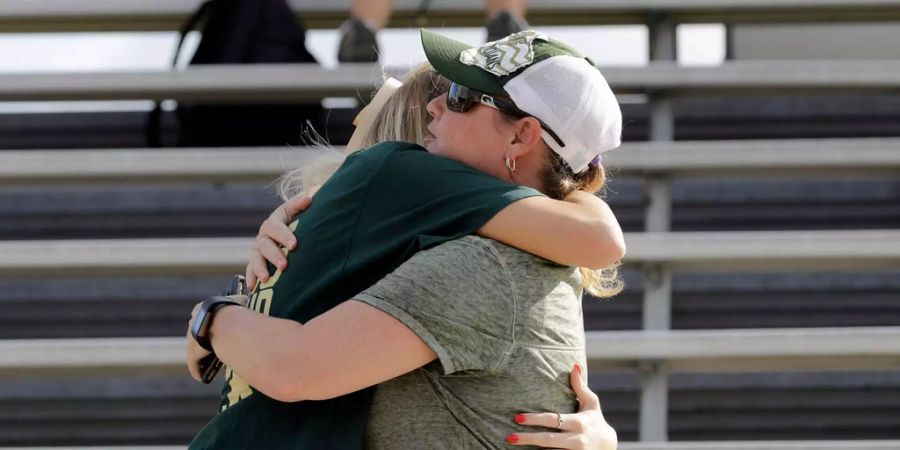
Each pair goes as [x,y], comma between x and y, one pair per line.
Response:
[528,171]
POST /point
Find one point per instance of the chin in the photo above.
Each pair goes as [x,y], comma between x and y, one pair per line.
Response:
[434,149]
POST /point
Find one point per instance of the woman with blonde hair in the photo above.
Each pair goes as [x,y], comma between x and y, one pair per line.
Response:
[398,113]
[383,205]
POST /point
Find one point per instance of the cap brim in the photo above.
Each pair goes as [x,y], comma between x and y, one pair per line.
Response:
[443,54]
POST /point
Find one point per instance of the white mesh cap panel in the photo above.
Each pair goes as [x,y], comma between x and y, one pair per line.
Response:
[573,98]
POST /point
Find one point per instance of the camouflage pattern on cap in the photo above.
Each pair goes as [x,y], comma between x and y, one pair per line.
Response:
[488,67]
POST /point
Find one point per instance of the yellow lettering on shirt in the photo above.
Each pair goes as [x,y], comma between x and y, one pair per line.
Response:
[261,302]
[238,389]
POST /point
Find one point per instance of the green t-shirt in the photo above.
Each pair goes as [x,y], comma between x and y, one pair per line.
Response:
[381,207]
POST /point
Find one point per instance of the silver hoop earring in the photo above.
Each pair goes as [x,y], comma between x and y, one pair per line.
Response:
[511,166]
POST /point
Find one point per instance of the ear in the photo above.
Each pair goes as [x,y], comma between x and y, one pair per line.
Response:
[527,137]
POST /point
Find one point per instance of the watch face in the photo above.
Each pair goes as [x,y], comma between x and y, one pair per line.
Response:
[200,326]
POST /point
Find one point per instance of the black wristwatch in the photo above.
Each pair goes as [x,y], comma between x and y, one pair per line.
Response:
[208,309]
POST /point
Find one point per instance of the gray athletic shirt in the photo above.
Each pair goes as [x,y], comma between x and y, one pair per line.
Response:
[507,329]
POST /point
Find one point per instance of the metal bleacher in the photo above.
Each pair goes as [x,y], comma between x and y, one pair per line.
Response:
[760,202]
[759,445]
[285,83]
[694,158]
[131,15]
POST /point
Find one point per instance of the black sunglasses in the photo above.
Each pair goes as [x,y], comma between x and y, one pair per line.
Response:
[461,99]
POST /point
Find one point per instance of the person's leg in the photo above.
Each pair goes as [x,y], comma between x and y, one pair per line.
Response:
[505,17]
[517,8]
[358,42]
[376,13]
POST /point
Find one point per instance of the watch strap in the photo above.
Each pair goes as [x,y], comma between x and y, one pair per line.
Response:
[205,316]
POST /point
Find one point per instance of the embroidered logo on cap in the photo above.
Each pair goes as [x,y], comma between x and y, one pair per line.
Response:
[504,56]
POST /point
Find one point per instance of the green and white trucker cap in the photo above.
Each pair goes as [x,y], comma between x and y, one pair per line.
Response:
[543,77]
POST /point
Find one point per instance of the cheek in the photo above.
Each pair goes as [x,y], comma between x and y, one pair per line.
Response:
[447,141]
[467,139]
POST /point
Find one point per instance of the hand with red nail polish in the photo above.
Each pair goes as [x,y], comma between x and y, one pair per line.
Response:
[585,430]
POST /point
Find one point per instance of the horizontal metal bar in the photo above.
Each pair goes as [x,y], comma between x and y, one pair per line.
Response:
[125,256]
[119,447]
[763,445]
[748,349]
[695,350]
[757,76]
[298,82]
[767,157]
[140,15]
[738,250]
[705,445]
[92,356]
[219,83]
[767,250]
[761,157]
[167,165]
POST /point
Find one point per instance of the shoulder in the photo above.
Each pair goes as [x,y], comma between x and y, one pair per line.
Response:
[459,263]
[474,250]
[492,251]
[526,269]
[457,298]
[396,158]
[407,156]
[389,149]
[457,277]
[385,151]
[475,261]
[375,163]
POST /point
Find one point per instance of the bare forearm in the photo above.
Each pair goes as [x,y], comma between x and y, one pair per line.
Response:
[350,347]
[592,208]
[598,214]
[603,228]
[578,231]
[591,225]
[256,347]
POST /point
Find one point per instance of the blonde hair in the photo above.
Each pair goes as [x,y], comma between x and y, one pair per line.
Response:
[404,118]
[559,181]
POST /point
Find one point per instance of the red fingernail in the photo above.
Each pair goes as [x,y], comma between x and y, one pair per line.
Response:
[512,439]
[578,369]
[520,418]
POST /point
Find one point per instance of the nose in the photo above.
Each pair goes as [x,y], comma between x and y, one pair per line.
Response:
[435,107]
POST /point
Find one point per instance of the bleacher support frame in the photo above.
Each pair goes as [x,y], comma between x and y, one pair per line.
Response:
[655,351]
[734,445]
[168,15]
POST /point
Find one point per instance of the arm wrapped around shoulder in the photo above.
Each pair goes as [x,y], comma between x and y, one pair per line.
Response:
[457,297]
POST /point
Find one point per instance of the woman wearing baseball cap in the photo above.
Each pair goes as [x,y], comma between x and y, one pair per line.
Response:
[478,361]
[541,84]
